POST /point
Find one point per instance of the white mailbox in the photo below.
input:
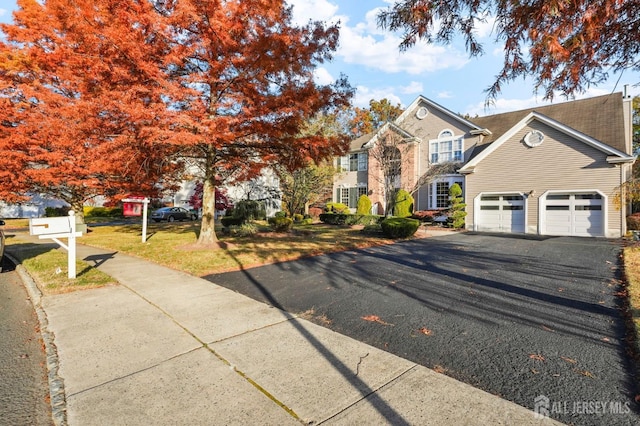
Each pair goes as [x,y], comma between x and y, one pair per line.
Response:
[48,226]
[58,227]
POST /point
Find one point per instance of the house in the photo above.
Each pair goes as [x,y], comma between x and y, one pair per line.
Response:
[264,187]
[548,170]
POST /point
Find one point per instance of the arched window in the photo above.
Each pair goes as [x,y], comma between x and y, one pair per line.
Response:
[447,147]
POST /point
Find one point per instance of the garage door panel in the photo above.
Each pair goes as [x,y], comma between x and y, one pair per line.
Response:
[501,213]
[574,214]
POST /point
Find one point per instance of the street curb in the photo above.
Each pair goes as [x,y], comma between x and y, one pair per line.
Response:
[56,383]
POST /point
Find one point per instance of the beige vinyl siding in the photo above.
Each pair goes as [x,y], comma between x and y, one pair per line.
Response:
[559,163]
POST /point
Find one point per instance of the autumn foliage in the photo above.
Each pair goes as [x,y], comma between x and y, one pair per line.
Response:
[81,102]
[566,45]
[104,97]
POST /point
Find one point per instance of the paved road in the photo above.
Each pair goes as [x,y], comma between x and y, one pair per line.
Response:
[520,318]
[24,390]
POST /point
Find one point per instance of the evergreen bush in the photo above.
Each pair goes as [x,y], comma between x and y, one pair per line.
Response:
[281,224]
[364,205]
[250,210]
[336,208]
[228,221]
[399,227]
[403,206]
[457,206]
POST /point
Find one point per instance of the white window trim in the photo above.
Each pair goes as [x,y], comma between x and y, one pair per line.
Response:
[440,139]
[433,195]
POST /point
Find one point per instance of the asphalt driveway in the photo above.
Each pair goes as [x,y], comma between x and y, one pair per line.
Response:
[520,318]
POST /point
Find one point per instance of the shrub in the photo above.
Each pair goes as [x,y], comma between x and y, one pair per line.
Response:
[250,210]
[403,206]
[281,224]
[399,227]
[244,230]
[457,206]
[228,221]
[633,222]
[280,214]
[427,215]
[298,217]
[336,208]
[364,205]
[307,221]
[102,211]
[349,219]
[56,211]
[333,218]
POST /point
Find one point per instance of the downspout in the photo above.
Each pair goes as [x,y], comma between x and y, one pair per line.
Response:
[418,177]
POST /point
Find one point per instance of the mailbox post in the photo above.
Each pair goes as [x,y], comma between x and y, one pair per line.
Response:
[135,212]
[59,227]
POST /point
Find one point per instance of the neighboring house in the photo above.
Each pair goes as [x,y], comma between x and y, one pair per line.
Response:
[265,188]
[34,207]
[549,170]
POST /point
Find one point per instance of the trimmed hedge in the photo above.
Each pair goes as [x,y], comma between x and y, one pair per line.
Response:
[364,205]
[403,206]
[399,227]
[102,211]
[336,208]
[349,219]
[281,224]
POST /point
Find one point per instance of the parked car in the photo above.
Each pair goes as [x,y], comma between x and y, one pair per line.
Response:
[171,214]
[1,244]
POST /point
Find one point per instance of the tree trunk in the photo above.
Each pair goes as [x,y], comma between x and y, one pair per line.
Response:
[78,209]
[207,228]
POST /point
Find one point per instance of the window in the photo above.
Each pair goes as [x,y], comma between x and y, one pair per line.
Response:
[362,162]
[349,196]
[344,196]
[439,192]
[353,162]
[446,148]
[442,195]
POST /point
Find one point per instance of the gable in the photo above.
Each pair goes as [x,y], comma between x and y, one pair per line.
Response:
[601,118]
[533,119]
[425,119]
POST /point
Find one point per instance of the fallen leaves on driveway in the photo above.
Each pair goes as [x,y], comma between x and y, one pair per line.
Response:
[572,361]
[375,318]
[537,357]
[425,331]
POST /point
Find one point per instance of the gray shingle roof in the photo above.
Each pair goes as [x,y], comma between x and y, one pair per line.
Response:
[600,117]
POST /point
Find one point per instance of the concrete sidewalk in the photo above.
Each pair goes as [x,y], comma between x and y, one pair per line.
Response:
[165,347]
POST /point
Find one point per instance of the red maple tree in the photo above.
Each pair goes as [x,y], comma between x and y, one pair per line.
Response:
[113,96]
[250,72]
[82,112]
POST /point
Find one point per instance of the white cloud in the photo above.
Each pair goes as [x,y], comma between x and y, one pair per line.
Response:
[322,77]
[365,94]
[485,29]
[361,45]
[445,95]
[314,10]
[413,88]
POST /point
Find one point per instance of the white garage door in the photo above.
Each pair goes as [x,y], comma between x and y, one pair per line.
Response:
[574,214]
[501,213]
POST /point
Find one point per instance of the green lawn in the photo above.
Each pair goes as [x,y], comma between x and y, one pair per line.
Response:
[174,245]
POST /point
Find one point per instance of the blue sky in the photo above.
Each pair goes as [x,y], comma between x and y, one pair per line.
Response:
[445,74]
